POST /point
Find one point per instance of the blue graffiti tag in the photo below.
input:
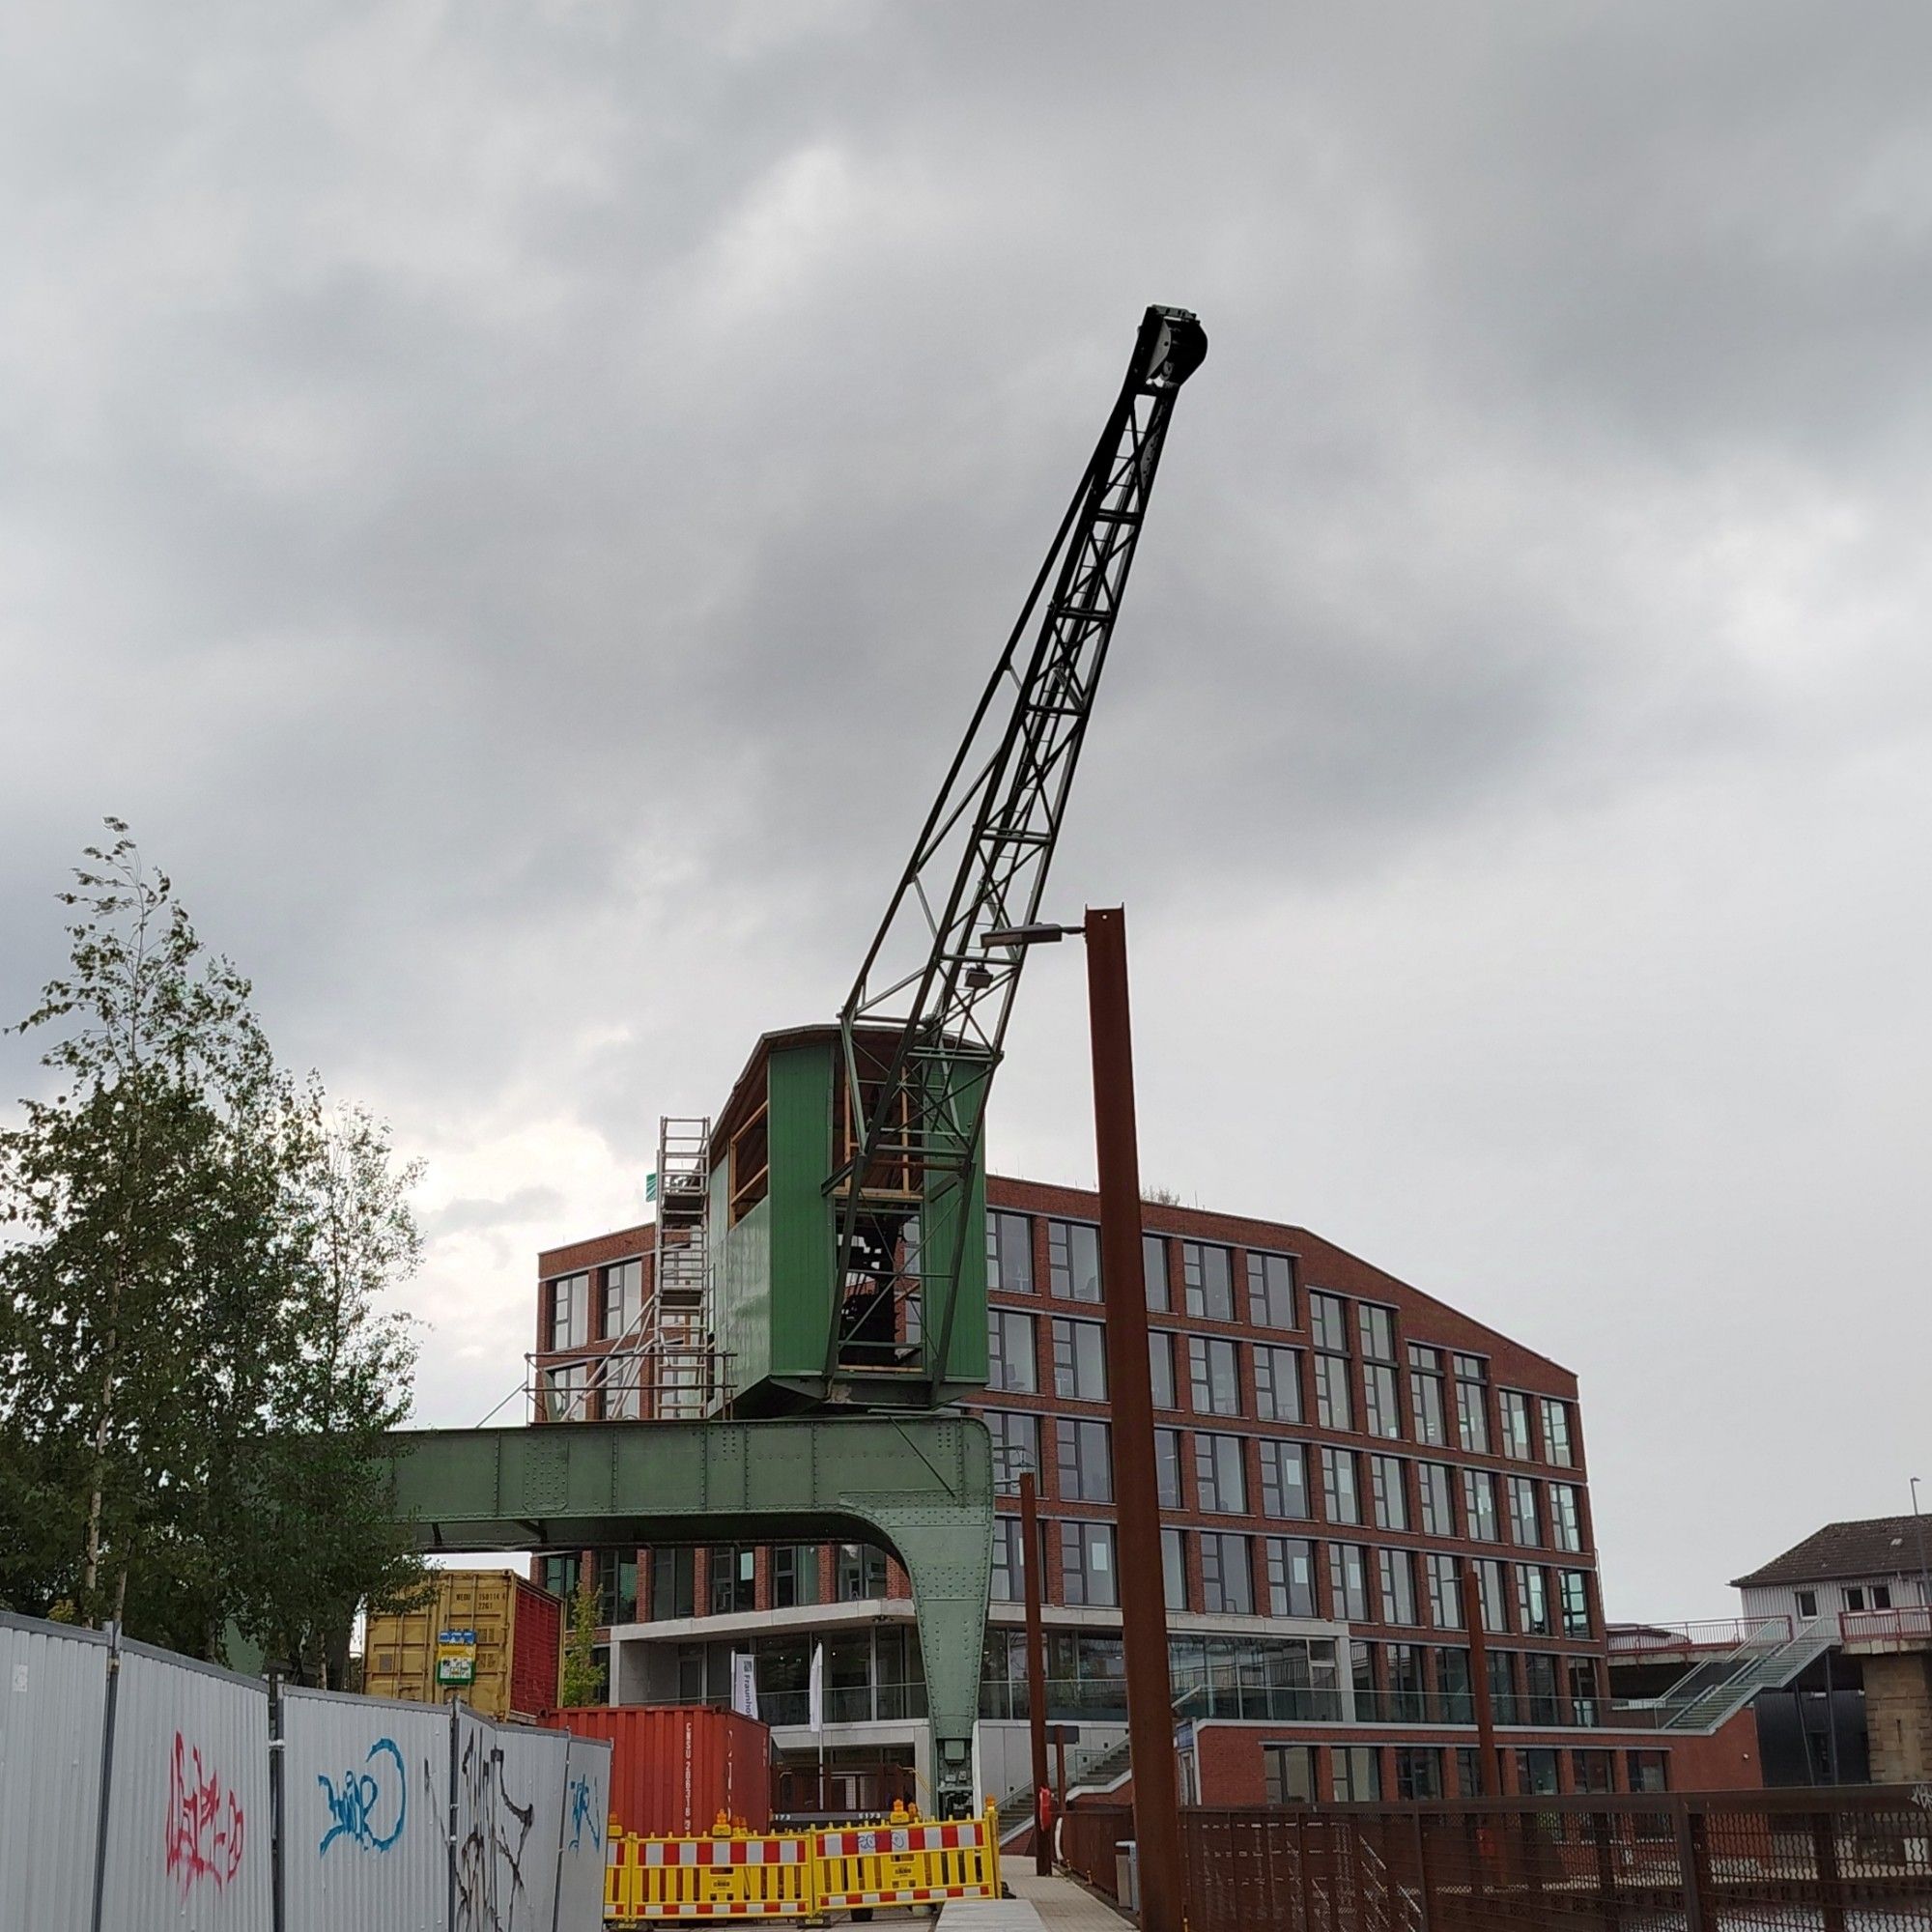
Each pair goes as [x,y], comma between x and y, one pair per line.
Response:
[354,1807]
[582,1813]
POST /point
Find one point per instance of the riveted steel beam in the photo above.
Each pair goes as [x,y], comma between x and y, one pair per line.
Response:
[920,1486]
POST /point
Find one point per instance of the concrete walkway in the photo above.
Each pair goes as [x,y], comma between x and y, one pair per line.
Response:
[1037,1905]
[1063,1905]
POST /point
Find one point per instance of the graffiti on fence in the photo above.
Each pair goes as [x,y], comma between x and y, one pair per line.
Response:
[363,1803]
[205,1822]
[489,1858]
[582,1813]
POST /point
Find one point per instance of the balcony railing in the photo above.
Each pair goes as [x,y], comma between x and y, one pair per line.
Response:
[1711,1633]
[844,1704]
[1414,1707]
[1105,1700]
[1908,1623]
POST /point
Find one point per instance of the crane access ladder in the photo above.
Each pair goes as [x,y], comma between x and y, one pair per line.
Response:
[675,1359]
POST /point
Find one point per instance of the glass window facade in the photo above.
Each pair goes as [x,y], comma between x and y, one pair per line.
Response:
[1208,1274]
[1388,1491]
[1012,1361]
[1558,1443]
[570,1310]
[1160,1368]
[1073,1260]
[623,1298]
[1086,1467]
[1289,1774]
[1566,1516]
[1167,1466]
[1220,1482]
[1472,1403]
[1435,1487]
[1479,1506]
[1284,1479]
[1277,1383]
[1270,1291]
[1291,1574]
[1227,1574]
[1328,1323]
[1079,1361]
[1154,1270]
[1008,1252]
[1016,1437]
[1348,1581]
[1087,1570]
[1396,1572]
[1332,1407]
[1341,1495]
[1213,1376]
[1525,1531]
[1173,1568]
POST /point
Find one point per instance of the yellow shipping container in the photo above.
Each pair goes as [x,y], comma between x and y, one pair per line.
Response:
[492,1638]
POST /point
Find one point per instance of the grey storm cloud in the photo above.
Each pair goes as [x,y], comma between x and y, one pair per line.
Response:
[515,503]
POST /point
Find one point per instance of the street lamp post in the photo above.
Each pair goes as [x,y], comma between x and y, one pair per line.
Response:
[1140,1583]
[1035,1649]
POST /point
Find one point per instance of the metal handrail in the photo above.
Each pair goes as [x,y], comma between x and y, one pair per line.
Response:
[1905,1620]
[1698,1634]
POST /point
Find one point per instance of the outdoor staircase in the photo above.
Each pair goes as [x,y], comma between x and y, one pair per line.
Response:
[1091,1772]
[1766,1660]
[1088,1768]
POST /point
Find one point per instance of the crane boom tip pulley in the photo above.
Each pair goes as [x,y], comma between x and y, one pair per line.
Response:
[1172,345]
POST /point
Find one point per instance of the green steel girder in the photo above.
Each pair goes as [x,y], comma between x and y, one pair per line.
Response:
[920,1486]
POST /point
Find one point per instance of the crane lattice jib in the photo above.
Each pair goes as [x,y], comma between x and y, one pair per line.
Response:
[927,984]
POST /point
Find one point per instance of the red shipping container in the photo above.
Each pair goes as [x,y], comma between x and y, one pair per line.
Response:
[536,1654]
[675,1767]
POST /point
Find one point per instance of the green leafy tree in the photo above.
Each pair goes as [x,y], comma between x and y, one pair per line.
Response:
[583,1676]
[317,1492]
[190,1361]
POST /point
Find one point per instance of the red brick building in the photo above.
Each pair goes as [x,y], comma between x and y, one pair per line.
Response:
[1335,1446]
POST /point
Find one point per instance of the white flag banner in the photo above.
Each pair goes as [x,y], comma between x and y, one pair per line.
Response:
[815,1690]
[745,1684]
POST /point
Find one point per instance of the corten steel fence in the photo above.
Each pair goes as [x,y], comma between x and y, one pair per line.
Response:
[1814,1861]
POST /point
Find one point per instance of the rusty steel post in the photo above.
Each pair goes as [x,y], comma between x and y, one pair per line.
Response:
[1036,1642]
[1479,1679]
[1142,1588]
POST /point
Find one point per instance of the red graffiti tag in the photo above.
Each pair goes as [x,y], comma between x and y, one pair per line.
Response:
[205,1823]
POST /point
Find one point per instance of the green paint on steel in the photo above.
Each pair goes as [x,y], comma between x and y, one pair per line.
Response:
[774,1268]
[920,1486]
[800,1090]
[953,1327]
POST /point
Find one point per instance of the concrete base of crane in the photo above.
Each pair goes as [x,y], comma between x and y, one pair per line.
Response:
[920,1485]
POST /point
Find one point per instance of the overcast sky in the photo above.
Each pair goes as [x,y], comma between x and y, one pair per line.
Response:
[515,502]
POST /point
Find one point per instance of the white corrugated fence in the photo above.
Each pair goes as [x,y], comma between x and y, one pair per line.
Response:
[53,1708]
[141,1791]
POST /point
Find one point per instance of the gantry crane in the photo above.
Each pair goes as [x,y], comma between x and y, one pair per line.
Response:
[829,1211]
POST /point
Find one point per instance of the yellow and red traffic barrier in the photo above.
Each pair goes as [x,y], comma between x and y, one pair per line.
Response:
[902,1860]
[913,1863]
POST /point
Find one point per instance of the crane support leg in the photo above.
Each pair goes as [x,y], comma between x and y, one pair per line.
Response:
[920,1486]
